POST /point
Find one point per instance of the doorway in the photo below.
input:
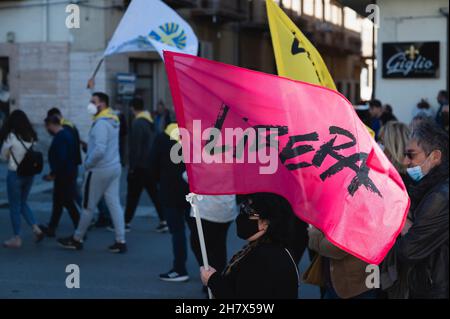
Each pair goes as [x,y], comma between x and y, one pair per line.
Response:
[4,90]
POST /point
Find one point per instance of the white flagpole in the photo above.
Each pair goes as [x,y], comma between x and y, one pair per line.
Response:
[191,198]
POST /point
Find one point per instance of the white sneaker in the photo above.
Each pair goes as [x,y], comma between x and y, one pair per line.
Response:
[14,243]
[173,276]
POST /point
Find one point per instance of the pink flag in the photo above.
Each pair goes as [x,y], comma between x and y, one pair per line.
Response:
[326,163]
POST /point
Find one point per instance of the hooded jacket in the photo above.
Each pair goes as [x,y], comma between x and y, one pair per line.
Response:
[103,144]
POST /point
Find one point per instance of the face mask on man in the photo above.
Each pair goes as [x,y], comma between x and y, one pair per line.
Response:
[92,109]
[246,227]
[416,173]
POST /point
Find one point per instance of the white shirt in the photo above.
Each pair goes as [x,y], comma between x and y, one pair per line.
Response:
[216,208]
[424,112]
[12,144]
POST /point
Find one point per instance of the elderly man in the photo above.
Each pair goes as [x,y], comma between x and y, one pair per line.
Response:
[422,250]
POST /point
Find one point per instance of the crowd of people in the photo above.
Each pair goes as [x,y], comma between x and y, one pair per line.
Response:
[267,266]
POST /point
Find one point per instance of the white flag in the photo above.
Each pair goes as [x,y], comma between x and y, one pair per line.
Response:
[150,25]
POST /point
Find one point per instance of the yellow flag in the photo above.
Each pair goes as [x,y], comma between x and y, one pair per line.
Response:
[296,57]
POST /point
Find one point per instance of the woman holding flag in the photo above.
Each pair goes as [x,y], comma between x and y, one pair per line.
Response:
[252,272]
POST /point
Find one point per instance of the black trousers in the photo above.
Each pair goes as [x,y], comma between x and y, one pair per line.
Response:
[139,179]
[215,241]
[64,196]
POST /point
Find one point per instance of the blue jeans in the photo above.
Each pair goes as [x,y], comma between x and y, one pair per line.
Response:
[176,219]
[18,188]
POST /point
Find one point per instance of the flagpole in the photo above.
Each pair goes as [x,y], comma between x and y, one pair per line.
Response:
[91,81]
[191,198]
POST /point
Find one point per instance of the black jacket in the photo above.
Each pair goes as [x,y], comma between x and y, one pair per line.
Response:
[423,251]
[142,137]
[62,156]
[173,188]
[267,272]
[76,136]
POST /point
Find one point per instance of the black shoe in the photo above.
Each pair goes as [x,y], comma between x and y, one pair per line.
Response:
[173,276]
[49,232]
[162,228]
[118,248]
[70,243]
[39,237]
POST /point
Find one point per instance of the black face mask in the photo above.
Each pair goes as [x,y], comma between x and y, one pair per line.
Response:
[246,227]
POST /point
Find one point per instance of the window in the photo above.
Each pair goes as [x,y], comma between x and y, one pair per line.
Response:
[336,14]
[297,6]
[287,4]
[327,10]
[308,7]
[351,20]
[319,9]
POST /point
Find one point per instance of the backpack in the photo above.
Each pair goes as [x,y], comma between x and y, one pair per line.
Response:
[32,163]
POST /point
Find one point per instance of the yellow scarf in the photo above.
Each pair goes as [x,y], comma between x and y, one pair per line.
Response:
[145,115]
[371,132]
[107,114]
[173,131]
[65,122]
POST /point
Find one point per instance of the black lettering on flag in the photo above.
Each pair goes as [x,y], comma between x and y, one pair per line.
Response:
[362,178]
[289,151]
[362,171]
[267,140]
[296,48]
[218,125]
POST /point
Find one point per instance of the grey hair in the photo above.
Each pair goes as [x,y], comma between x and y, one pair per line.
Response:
[418,119]
[431,137]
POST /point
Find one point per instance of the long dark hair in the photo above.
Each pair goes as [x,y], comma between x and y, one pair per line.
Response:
[277,210]
[18,124]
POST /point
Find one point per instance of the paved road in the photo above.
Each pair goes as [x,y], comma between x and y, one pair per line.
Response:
[38,271]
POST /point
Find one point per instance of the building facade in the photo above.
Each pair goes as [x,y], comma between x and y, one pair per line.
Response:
[45,64]
[413,24]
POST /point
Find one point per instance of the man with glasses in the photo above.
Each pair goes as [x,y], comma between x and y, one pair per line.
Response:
[422,250]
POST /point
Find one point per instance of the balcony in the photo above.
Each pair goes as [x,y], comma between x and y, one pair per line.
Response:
[221,10]
[337,39]
[179,4]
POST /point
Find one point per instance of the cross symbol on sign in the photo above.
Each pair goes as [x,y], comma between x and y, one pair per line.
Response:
[412,51]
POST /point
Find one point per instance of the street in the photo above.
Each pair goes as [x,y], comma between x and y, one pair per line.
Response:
[38,271]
